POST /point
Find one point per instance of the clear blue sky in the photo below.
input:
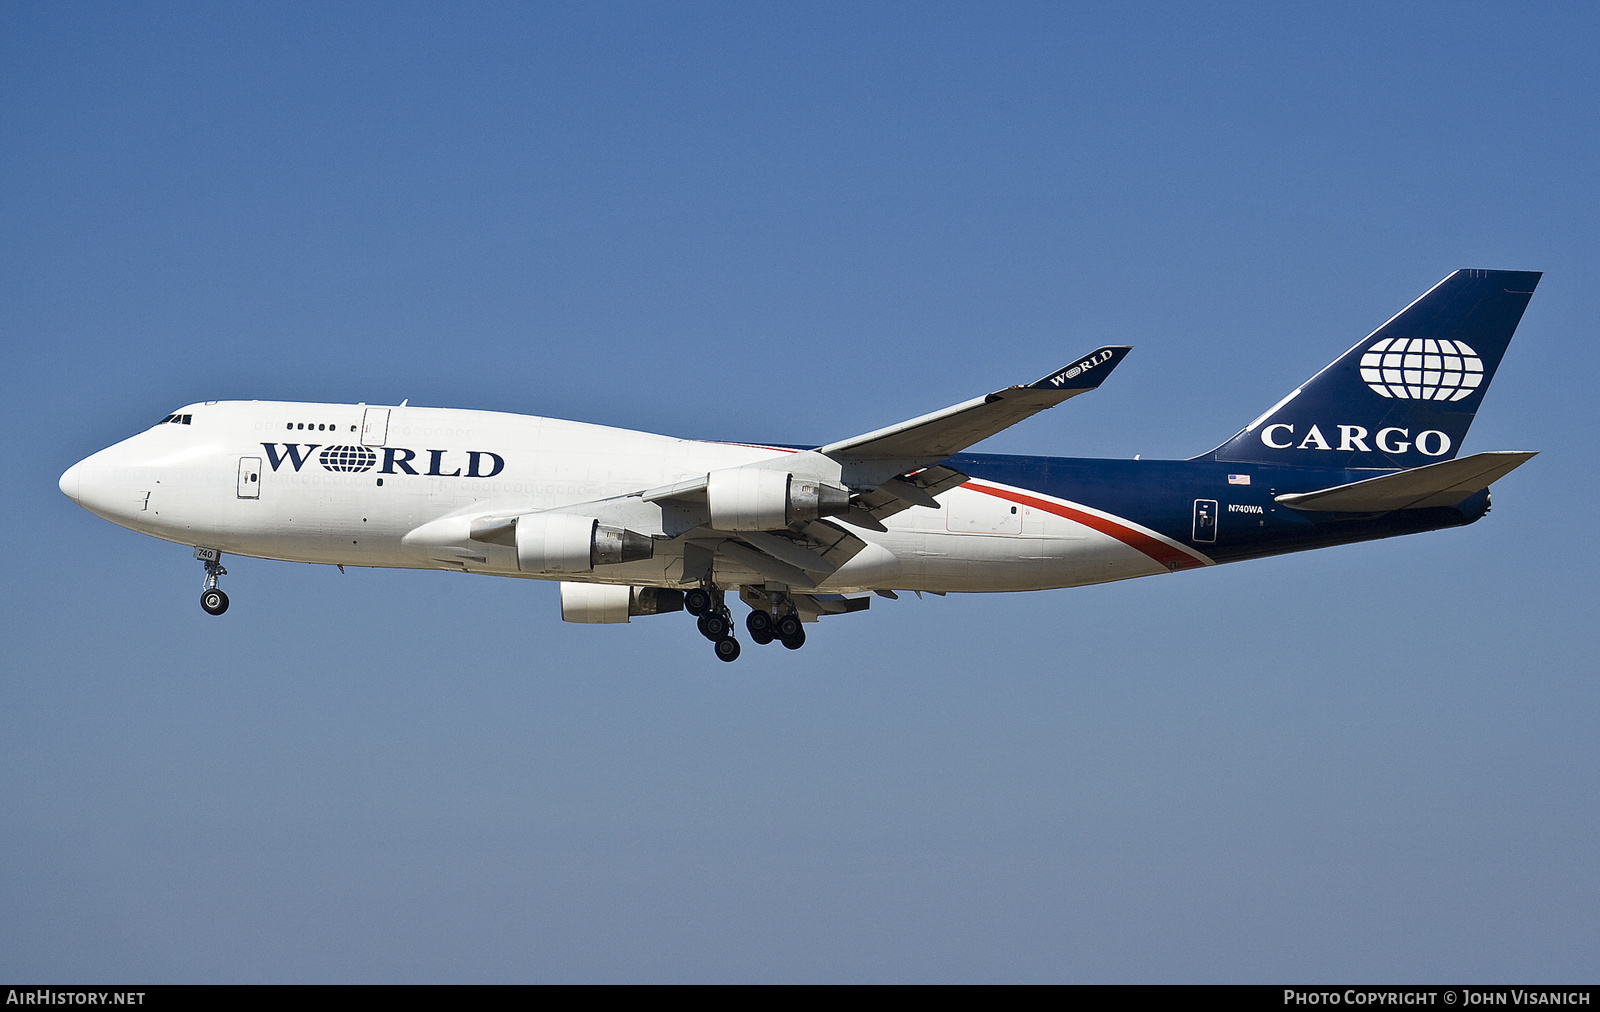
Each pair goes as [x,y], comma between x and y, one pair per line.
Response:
[793,222]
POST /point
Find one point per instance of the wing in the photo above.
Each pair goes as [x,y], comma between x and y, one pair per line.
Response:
[883,472]
[897,467]
[919,442]
[801,555]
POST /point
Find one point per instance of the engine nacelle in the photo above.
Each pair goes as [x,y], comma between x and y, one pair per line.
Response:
[759,499]
[594,603]
[598,603]
[563,543]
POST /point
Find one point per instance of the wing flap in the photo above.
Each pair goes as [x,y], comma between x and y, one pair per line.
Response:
[812,607]
[832,542]
[766,565]
[1443,484]
[788,551]
[888,498]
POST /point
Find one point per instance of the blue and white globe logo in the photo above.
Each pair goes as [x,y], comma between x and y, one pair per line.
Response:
[347,458]
[1418,369]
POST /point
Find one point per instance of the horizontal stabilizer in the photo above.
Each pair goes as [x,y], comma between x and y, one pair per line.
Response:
[1443,484]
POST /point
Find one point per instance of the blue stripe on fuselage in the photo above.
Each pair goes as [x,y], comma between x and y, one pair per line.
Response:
[1161,495]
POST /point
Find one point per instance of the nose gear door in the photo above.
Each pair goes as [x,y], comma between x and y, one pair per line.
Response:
[249,477]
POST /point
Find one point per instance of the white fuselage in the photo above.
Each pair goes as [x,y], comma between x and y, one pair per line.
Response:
[258,478]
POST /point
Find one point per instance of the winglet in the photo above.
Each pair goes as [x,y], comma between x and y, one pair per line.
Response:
[1087,372]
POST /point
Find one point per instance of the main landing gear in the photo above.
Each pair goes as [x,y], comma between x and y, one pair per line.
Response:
[772,617]
[714,619]
[212,599]
[786,630]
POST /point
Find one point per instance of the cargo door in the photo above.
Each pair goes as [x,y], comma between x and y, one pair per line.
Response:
[970,512]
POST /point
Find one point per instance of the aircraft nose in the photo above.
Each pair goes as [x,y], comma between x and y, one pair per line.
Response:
[102,484]
[71,480]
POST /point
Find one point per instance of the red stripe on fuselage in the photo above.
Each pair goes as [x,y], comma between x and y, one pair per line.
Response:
[1160,551]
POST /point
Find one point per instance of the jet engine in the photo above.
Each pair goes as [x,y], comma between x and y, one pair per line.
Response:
[597,603]
[758,499]
[563,543]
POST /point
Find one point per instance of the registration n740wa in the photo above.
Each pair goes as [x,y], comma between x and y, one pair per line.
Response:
[632,523]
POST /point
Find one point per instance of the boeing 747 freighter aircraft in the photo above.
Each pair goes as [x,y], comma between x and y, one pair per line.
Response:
[637,524]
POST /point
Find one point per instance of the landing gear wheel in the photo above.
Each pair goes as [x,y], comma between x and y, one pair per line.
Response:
[214,601]
[796,641]
[727,649]
[758,622]
[714,626]
[697,601]
[789,627]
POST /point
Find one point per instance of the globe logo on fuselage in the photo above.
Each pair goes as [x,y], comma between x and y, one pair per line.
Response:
[1418,369]
[347,458]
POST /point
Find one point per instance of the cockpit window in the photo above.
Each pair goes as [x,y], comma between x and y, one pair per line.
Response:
[176,420]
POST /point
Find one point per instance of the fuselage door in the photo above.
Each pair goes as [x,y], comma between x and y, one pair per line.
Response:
[969,512]
[249,477]
[375,427]
[1205,522]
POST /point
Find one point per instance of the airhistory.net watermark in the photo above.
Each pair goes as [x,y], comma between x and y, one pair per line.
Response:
[42,996]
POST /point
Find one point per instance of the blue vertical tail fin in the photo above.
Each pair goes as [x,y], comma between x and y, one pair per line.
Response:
[1405,395]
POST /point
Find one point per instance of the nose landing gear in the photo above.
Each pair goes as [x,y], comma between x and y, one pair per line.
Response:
[212,599]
